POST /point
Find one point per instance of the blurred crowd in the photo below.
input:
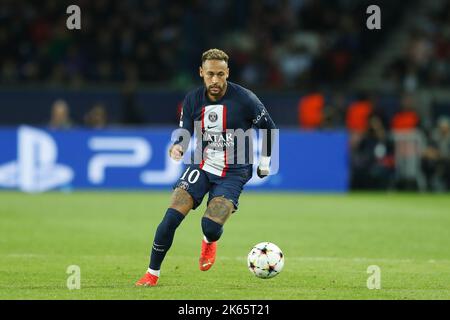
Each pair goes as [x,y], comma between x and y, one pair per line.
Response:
[272,44]
[60,118]
[402,150]
[311,46]
[425,62]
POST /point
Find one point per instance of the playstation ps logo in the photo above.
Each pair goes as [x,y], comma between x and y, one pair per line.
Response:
[35,169]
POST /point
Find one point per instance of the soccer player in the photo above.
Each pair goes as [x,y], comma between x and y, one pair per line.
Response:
[218,106]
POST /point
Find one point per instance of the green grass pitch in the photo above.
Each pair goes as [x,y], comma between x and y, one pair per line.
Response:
[329,241]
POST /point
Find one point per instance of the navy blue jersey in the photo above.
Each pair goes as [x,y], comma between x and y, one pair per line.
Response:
[239,108]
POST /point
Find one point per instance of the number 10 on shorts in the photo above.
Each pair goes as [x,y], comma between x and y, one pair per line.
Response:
[193,175]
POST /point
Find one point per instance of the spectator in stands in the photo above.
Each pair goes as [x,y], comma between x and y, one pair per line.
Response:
[373,162]
[59,118]
[407,118]
[358,114]
[334,112]
[310,110]
[271,43]
[357,118]
[425,61]
[96,118]
[436,157]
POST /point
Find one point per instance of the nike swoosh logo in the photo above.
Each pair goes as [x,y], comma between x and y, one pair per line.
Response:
[211,127]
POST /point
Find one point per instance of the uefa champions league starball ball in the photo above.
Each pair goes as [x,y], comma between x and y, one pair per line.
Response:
[265,260]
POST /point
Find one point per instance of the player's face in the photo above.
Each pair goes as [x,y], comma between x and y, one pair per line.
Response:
[215,74]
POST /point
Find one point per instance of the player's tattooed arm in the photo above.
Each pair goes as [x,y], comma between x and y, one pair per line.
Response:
[219,209]
[181,201]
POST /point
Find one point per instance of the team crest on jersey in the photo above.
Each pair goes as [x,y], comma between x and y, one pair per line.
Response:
[212,117]
[183,185]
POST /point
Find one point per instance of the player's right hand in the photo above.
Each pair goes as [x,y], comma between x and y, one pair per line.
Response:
[176,152]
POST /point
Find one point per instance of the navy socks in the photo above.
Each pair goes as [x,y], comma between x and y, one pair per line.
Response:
[211,229]
[164,237]
[166,232]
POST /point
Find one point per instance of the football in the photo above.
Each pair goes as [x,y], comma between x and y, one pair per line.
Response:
[265,260]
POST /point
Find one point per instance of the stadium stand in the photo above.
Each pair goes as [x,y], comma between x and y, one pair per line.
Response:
[132,59]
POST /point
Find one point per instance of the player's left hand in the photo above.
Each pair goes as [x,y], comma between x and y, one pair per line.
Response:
[263,169]
[262,172]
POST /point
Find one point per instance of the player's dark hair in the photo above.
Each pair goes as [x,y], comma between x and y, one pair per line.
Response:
[214,54]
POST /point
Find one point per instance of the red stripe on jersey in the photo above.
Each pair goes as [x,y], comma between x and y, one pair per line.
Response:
[202,117]
[224,128]
[203,128]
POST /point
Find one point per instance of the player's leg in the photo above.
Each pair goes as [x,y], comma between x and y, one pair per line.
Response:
[223,201]
[188,194]
[180,205]
[218,211]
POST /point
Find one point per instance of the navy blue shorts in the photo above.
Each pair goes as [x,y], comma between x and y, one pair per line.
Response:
[198,183]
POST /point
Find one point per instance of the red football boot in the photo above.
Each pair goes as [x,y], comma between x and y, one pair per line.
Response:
[208,255]
[148,280]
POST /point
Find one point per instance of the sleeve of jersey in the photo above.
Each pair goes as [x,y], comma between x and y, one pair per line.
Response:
[186,126]
[262,120]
